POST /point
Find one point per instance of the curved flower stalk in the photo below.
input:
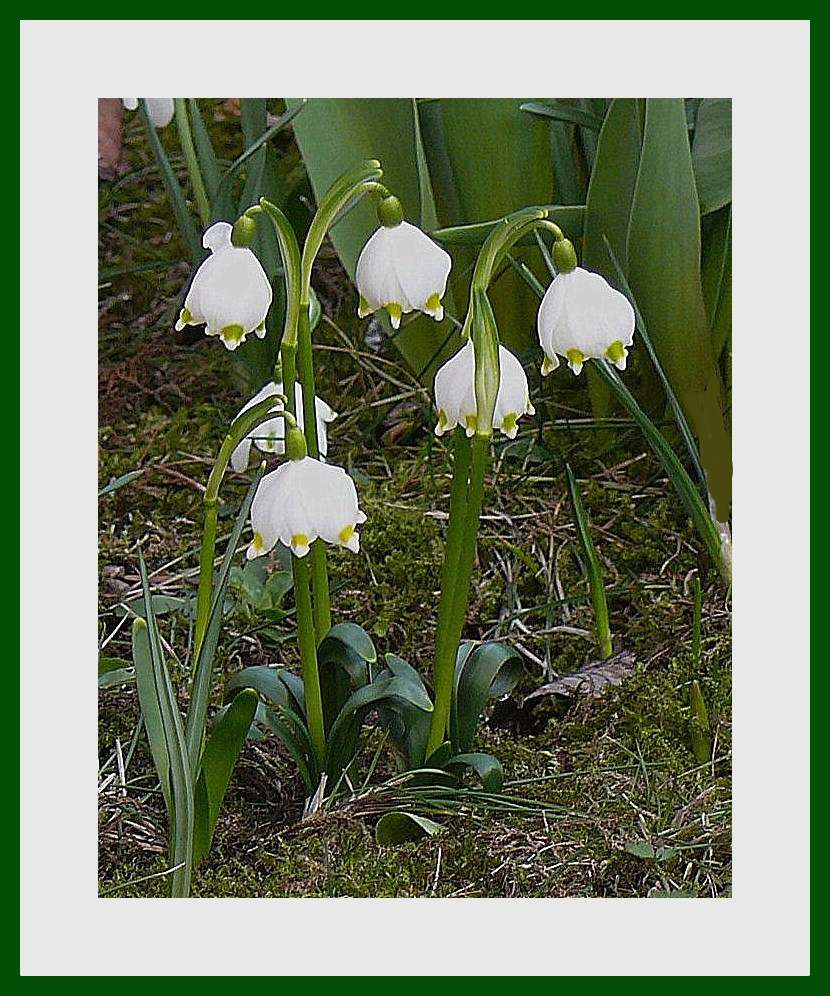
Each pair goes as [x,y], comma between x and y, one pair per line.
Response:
[230,294]
[455,396]
[301,501]
[269,437]
[159,109]
[582,317]
[401,269]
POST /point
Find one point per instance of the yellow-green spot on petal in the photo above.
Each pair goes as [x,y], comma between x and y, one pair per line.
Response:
[615,352]
[471,422]
[510,422]
[442,419]
[299,540]
[548,365]
[433,302]
[232,333]
[575,357]
[345,534]
[185,317]
[395,311]
[363,308]
[258,542]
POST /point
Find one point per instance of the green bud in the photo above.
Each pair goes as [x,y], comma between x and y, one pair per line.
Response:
[244,232]
[564,256]
[295,446]
[390,212]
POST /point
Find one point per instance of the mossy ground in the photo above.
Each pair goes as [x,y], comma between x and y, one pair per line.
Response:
[620,767]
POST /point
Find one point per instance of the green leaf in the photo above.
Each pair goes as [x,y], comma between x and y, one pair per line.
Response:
[275,684]
[716,275]
[592,566]
[184,219]
[119,482]
[563,112]
[161,705]
[218,761]
[208,163]
[148,700]
[344,659]
[642,849]
[712,153]
[162,605]
[116,676]
[664,274]
[608,209]
[490,670]
[486,767]
[399,827]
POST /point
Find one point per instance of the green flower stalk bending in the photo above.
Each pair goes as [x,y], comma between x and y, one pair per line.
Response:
[200,692]
[190,157]
[470,469]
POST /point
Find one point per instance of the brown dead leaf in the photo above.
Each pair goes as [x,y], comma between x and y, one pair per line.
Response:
[592,678]
[110,133]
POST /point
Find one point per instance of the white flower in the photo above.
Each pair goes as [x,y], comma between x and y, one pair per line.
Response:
[582,317]
[159,109]
[401,269]
[455,395]
[230,293]
[300,501]
[270,436]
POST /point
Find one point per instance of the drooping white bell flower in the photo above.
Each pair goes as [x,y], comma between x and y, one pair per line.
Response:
[160,110]
[583,317]
[300,501]
[230,293]
[270,436]
[401,269]
[455,396]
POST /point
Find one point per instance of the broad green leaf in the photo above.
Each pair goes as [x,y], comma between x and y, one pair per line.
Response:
[555,111]
[399,827]
[716,275]
[608,209]
[344,659]
[712,153]
[269,682]
[490,670]
[218,761]
[487,769]
[664,275]
[116,677]
[499,161]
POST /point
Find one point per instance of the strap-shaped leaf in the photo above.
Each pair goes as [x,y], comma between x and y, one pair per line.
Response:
[399,827]
[218,761]
[490,670]
[184,219]
[181,810]
[486,767]
[345,658]
[277,685]
[208,163]
[293,734]
[150,709]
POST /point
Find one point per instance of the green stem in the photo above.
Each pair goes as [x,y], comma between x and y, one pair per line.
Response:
[200,690]
[455,533]
[319,567]
[308,655]
[190,157]
[445,661]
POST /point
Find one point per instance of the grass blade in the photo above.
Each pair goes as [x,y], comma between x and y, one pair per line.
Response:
[593,568]
[184,219]
[211,171]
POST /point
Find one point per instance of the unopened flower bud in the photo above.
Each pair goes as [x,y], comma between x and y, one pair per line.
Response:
[244,232]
